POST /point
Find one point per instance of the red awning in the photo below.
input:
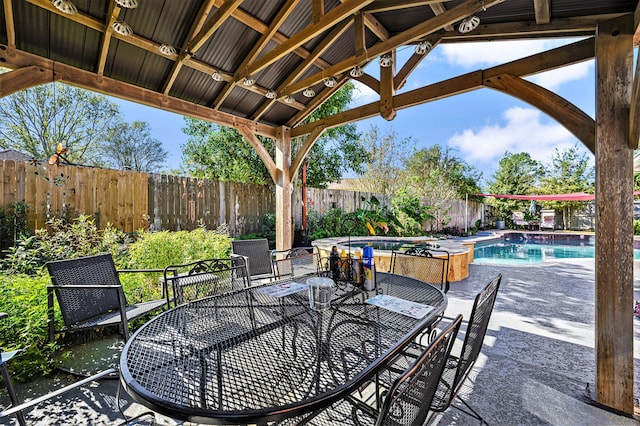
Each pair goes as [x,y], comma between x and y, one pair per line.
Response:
[574,196]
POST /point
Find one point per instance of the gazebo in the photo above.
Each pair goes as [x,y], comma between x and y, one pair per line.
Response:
[262,67]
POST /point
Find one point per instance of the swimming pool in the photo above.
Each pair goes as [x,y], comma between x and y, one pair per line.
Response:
[520,252]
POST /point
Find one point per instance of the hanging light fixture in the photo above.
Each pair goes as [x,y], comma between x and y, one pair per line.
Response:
[356,72]
[65,6]
[129,4]
[309,92]
[385,60]
[271,94]
[330,82]
[167,50]
[289,99]
[249,81]
[469,24]
[423,47]
[217,76]
[122,28]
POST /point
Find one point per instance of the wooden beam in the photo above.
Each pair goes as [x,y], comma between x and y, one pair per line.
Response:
[369,81]
[386,5]
[112,14]
[543,11]
[419,31]
[614,220]
[634,112]
[335,33]
[330,19]
[387,89]
[185,53]
[9,23]
[130,92]
[412,63]
[319,99]
[437,9]
[283,190]
[554,58]
[318,10]
[23,78]
[569,27]
[304,150]
[213,24]
[260,150]
[564,112]
[266,37]
[636,24]
[375,26]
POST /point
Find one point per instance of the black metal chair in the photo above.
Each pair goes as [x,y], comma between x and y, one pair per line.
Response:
[203,278]
[460,364]
[426,264]
[296,262]
[90,295]
[258,255]
[4,358]
[406,401]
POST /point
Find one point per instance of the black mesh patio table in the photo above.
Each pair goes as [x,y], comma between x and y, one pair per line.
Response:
[249,357]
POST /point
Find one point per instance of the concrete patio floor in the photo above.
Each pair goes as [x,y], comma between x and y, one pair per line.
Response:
[537,366]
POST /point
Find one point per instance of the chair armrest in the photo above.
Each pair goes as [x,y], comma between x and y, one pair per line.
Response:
[88,286]
[3,315]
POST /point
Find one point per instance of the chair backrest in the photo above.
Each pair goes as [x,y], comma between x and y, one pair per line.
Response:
[260,260]
[473,340]
[296,261]
[79,304]
[518,218]
[204,278]
[423,263]
[409,398]
[547,219]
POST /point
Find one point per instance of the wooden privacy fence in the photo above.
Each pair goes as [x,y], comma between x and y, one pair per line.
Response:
[132,201]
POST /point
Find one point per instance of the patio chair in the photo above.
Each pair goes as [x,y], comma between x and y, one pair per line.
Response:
[460,364]
[296,262]
[90,295]
[259,257]
[204,278]
[547,219]
[406,401]
[518,220]
[423,263]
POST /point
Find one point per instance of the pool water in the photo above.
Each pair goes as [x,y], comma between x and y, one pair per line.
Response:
[519,253]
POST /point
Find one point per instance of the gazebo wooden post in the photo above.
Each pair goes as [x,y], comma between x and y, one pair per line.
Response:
[283,189]
[614,221]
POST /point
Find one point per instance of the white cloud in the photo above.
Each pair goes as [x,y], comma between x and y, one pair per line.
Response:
[523,130]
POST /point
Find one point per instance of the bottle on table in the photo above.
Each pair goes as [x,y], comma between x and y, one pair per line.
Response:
[357,267]
[368,269]
[334,259]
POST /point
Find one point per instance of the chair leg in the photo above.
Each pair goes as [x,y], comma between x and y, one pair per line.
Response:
[12,393]
[473,413]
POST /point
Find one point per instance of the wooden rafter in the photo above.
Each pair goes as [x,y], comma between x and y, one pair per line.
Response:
[438,8]
[419,31]
[304,65]
[375,26]
[111,87]
[185,53]
[330,19]
[386,5]
[412,63]
[543,11]
[112,16]
[316,102]
[551,59]
[267,35]
[9,22]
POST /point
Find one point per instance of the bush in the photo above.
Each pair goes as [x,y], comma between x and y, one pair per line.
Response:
[636,227]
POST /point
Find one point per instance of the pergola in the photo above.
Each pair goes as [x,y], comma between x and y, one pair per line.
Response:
[262,67]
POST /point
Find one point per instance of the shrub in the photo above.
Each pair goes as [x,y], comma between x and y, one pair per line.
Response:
[636,227]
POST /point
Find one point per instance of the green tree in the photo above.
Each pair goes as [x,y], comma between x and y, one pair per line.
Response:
[569,171]
[383,173]
[437,176]
[35,120]
[517,174]
[217,152]
[130,146]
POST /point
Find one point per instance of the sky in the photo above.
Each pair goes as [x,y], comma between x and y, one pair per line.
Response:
[480,126]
